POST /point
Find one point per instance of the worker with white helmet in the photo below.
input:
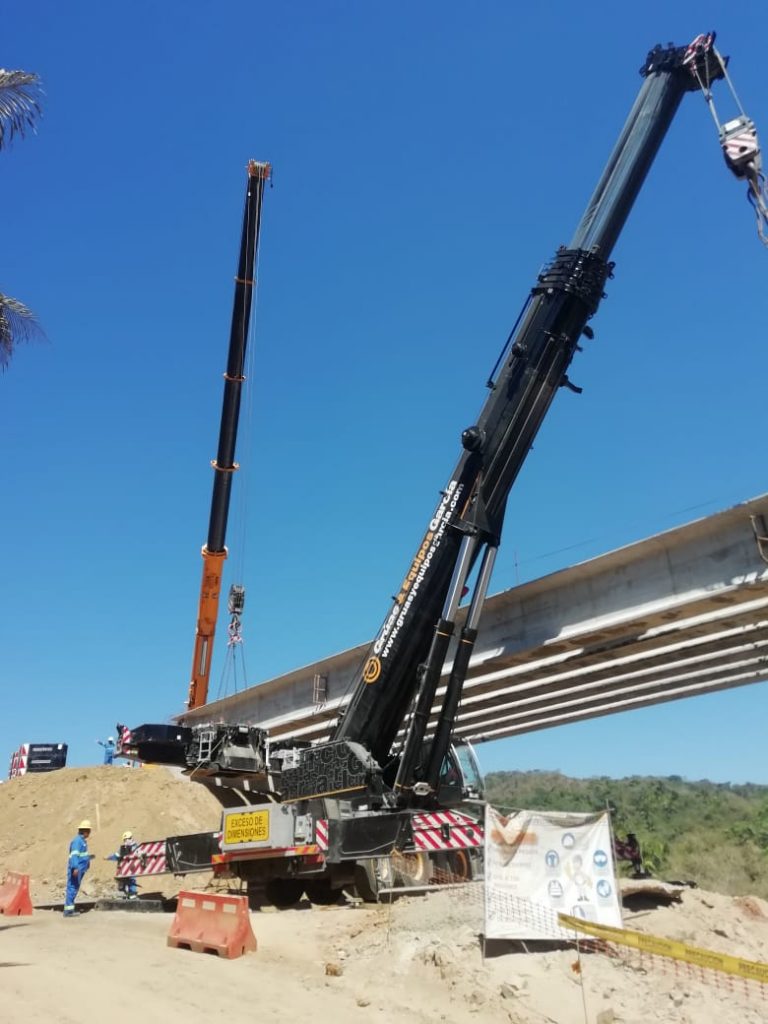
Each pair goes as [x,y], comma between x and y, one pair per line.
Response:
[128,847]
[109,749]
[77,865]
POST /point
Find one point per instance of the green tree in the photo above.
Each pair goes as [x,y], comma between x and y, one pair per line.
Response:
[19,112]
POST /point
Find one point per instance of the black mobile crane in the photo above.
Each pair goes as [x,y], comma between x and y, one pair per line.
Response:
[316,817]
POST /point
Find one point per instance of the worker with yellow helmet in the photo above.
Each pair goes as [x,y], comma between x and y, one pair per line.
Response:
[127,886]
[77,865]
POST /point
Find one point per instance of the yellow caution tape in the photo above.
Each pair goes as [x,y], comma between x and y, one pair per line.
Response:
[750,969]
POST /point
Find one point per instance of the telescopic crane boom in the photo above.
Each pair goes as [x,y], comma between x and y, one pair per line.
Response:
[214,552]
[406,659]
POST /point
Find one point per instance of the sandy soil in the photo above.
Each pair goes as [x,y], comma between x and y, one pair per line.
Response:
[39,815]
[420,958]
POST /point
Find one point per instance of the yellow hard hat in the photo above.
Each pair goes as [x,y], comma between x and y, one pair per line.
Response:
[84,824]
[127,835]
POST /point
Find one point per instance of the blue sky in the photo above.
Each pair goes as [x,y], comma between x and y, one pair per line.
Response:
[428,159]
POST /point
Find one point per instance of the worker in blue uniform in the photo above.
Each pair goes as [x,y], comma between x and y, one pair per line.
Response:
[78,864]
[109,749]
[128,847]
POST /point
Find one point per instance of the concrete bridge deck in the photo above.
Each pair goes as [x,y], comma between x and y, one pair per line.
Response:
[679,614]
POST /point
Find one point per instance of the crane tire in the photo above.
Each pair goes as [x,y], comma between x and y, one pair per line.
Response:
[371,875]
[320,892]
[411,868]
[284,892]
[460,866]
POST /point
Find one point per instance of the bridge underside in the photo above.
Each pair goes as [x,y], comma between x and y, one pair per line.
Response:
[676,615]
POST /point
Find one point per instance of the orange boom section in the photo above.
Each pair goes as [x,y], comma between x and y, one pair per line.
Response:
[207,613]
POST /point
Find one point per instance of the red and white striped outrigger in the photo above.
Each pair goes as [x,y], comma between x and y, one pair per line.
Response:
[446,830]
[147,859]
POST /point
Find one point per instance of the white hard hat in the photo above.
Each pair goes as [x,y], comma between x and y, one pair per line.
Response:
[127,835]
[111,739]
[84,824]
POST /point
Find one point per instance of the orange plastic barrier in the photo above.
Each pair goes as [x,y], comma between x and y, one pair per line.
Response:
[15,900]
[209,923]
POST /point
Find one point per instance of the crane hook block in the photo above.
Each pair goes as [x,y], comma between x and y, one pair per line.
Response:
[236,600]
[740,146]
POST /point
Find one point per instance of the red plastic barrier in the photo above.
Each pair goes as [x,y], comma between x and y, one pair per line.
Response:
[15,900]
[209,923]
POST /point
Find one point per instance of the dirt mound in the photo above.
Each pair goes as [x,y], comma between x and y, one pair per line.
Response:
[39,815]
[428,949]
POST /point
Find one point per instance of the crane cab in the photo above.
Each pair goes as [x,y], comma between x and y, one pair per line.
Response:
[460,778]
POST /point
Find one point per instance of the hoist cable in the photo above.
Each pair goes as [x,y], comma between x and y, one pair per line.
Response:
[242,498]
[757,196]
[728,81]
[740,145]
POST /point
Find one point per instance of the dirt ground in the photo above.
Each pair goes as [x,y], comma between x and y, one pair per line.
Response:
[420,958]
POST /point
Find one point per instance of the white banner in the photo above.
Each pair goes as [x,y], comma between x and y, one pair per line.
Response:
[539,865]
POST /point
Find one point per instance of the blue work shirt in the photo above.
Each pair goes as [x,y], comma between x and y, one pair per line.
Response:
[79,858]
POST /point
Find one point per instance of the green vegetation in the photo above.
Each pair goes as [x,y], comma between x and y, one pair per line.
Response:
[715,834]
[19,111]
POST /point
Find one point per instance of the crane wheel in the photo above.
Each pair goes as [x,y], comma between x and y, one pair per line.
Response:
[283,892]
[410,868]
[372,875]
[320,892]
[459,866]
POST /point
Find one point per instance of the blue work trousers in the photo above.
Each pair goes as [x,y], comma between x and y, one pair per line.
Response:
[73,888]
[128,886]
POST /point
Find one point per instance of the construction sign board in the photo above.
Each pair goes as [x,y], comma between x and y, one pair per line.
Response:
[539,865]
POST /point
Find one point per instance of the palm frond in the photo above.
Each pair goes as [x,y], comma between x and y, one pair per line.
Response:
[19,107]
[17,324]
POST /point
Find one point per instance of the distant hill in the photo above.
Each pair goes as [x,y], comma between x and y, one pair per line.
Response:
[715,834]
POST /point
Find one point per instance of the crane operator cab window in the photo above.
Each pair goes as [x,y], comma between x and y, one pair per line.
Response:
[460,777]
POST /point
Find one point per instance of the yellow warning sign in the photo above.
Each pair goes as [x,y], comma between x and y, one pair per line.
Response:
[749,969]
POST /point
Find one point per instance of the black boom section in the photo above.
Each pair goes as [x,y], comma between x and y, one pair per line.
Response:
[564,297]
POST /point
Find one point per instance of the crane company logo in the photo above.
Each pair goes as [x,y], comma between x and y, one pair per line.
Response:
[328,768]
[419,568]
[372,670]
